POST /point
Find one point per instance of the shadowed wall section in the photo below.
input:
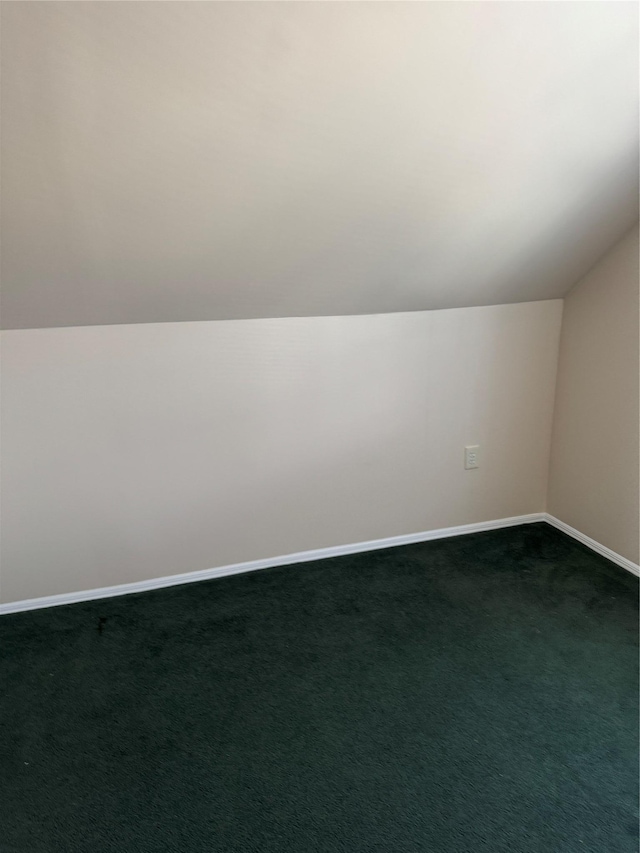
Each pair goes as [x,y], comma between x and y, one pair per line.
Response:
[593,484]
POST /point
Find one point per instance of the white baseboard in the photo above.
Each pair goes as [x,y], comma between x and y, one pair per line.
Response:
[308,556]
[270,562]
[630,566]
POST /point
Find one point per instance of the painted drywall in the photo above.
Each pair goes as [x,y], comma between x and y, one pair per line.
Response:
[132,452]
[194,161]
[593,482]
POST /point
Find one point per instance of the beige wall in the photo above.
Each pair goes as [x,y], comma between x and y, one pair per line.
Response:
[136,451]
[594,461]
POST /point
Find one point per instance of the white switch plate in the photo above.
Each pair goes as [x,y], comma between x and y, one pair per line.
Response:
[471,456]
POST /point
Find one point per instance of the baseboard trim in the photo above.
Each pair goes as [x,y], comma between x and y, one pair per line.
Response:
[270,562]
[619,560]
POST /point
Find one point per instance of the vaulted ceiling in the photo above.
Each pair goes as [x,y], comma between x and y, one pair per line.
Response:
[193,161]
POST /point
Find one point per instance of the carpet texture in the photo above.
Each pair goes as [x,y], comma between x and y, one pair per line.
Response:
[469,694]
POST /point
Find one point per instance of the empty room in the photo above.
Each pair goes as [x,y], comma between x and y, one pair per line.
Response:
[319,427]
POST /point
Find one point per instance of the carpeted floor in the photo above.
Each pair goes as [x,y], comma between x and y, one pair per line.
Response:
[470,694]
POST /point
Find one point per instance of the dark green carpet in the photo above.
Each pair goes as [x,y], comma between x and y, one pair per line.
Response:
[470,694]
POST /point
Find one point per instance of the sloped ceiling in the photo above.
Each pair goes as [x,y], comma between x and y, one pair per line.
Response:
[193,161]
